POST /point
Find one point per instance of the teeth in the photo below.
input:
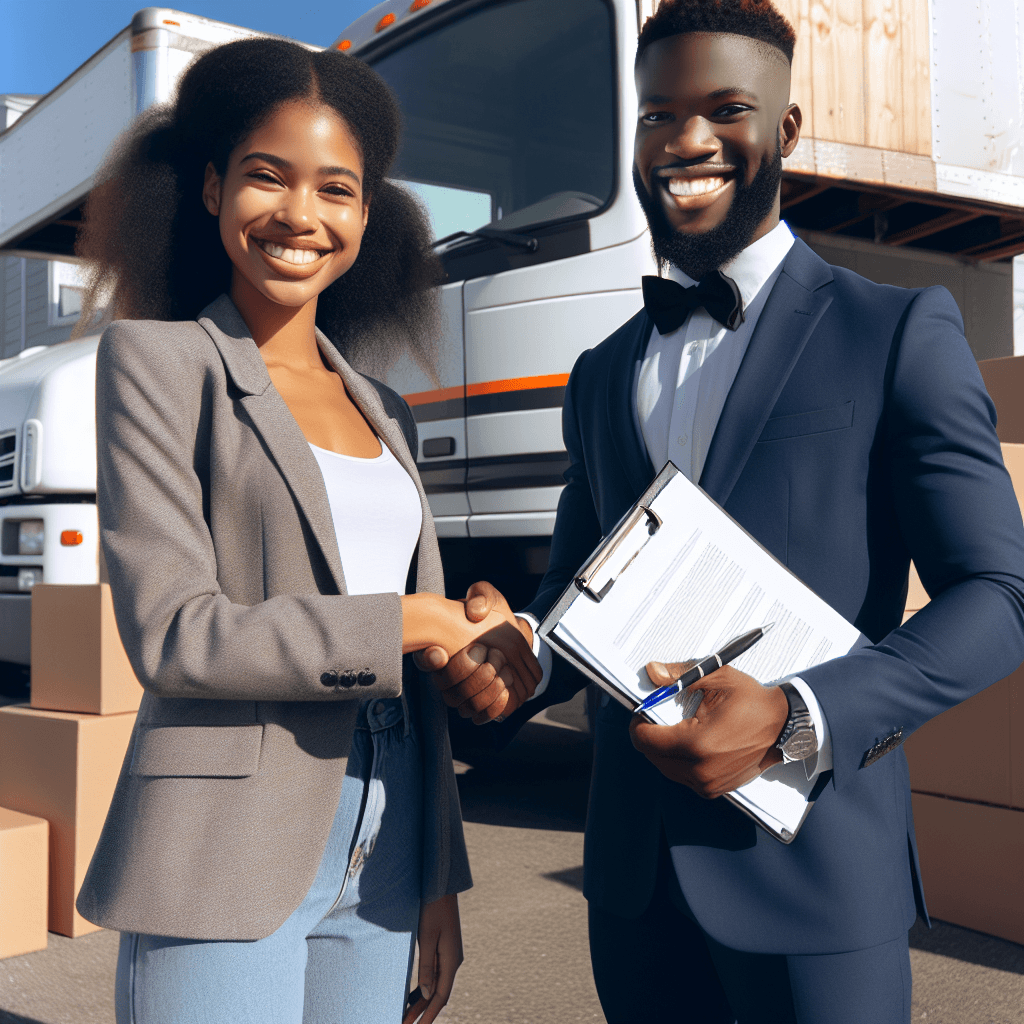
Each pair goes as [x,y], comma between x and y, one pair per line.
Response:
[297,256]
[694,186]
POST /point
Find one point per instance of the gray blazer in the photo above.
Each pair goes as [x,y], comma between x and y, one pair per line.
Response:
[230,599]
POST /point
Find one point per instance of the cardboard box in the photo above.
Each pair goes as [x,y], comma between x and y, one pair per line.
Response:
[63,767]
[971,857]
[1016,697]
[23,883]
[966,751]
[1004,379]
[78,661]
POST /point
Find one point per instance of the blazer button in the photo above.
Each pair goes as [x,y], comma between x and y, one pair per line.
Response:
[366,678]
[348,679]
[329,679]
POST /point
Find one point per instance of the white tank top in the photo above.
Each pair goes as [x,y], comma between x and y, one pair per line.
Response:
[377,517]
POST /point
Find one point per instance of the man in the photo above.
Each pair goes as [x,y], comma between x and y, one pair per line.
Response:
[844,425]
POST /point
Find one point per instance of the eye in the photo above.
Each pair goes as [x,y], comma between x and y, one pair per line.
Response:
[264,176]
[335,189]
[655,117]
[731,110]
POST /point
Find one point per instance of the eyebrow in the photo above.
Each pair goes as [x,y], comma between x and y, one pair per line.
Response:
[729,90]
[285,165]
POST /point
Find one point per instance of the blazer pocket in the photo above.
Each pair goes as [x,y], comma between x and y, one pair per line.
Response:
[198,751]
[816,421]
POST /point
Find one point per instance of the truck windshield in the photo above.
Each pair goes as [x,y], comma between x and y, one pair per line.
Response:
[509,114]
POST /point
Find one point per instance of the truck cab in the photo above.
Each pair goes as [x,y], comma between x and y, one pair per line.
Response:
[48,527]
[518,139]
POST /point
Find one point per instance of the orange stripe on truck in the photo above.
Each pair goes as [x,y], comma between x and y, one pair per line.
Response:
[441,395]
[490,387]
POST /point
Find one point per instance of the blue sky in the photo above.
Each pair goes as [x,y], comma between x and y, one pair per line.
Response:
[43,41]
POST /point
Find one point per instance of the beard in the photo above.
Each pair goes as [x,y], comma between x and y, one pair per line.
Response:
[698,254]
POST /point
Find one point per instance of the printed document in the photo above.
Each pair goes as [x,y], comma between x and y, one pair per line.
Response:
[681,594]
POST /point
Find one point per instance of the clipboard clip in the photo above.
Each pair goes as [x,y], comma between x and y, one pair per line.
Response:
[625,544]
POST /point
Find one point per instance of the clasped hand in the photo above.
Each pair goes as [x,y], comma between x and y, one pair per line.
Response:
[495,671]
[729,741]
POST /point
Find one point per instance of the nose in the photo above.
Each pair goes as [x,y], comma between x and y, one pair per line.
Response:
[695,141]
[297,211]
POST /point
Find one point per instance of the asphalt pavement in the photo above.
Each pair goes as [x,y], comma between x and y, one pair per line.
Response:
[525,920]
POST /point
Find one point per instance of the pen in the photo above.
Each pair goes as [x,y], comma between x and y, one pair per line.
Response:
[732,650]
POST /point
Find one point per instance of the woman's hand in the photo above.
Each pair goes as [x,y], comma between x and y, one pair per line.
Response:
[487,636]
[477,680]
[440,948]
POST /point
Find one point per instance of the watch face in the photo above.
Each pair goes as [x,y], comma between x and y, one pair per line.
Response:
[800,745]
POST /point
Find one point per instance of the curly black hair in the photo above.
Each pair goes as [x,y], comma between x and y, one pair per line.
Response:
[758,19]
[155,252]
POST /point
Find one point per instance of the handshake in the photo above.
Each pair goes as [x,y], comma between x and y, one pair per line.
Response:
[481,658]
[484,664]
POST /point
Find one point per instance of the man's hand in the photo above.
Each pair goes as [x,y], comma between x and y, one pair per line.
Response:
[729,741]
[496,674]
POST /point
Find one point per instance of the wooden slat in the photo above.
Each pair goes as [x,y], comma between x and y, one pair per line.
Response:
[931,227]
[916,68]
[1011,246]
[869,205]
[801,92]
[1008,232]
[883,74]
[837,50]
[813,189]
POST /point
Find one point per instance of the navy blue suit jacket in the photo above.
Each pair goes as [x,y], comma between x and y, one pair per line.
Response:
[857,436]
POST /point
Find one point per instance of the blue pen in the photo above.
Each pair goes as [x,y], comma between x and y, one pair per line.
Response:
[732,650]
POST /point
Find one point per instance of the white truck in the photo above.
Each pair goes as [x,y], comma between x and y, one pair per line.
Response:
[518,138]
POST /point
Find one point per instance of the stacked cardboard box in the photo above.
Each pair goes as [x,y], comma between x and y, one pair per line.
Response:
[60,755]
[23,883]
[967,777]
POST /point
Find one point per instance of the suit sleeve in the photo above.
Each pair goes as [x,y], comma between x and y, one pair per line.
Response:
[960,520]
[183,636]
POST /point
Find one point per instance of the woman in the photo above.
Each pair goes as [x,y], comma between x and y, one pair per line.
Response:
[260,516]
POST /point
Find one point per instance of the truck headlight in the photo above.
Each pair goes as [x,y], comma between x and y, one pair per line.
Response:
[28,578]
[30,537]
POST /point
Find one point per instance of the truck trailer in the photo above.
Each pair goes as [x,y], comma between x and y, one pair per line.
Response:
[518,139]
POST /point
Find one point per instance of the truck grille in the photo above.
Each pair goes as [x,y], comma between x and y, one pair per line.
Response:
[8,460]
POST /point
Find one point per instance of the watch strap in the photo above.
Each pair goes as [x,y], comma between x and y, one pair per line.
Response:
[800,720]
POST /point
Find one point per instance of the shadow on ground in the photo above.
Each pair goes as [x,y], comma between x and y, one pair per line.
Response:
[967,946]
[540,780]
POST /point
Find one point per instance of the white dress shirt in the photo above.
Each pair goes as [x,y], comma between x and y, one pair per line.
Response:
[683,380]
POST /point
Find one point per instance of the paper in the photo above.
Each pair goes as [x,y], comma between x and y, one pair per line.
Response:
[699,582]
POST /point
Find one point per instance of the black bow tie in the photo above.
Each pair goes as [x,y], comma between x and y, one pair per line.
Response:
[668,304]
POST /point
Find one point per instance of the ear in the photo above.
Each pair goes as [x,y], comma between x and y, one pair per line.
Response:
[212,184]
[366,212]
[789,128]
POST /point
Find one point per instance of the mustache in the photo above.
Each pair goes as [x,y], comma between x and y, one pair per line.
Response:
[698,254]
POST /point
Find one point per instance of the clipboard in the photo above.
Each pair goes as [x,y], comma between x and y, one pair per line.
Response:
[609,560]
[642,537]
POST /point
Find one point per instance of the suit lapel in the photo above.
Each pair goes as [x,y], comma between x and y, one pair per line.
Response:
[787,321]
[623,424]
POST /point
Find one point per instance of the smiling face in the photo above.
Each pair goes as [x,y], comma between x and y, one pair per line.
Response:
[290,205]
[714,122]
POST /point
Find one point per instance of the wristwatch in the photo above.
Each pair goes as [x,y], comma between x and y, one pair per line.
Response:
[798,740]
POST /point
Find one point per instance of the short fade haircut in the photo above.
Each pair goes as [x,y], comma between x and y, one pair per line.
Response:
[757,19]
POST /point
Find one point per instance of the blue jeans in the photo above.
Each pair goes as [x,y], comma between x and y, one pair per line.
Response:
[345,954]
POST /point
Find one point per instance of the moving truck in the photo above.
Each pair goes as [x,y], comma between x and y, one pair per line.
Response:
[518,139]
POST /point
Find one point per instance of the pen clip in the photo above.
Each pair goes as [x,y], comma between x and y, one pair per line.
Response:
[592,581]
